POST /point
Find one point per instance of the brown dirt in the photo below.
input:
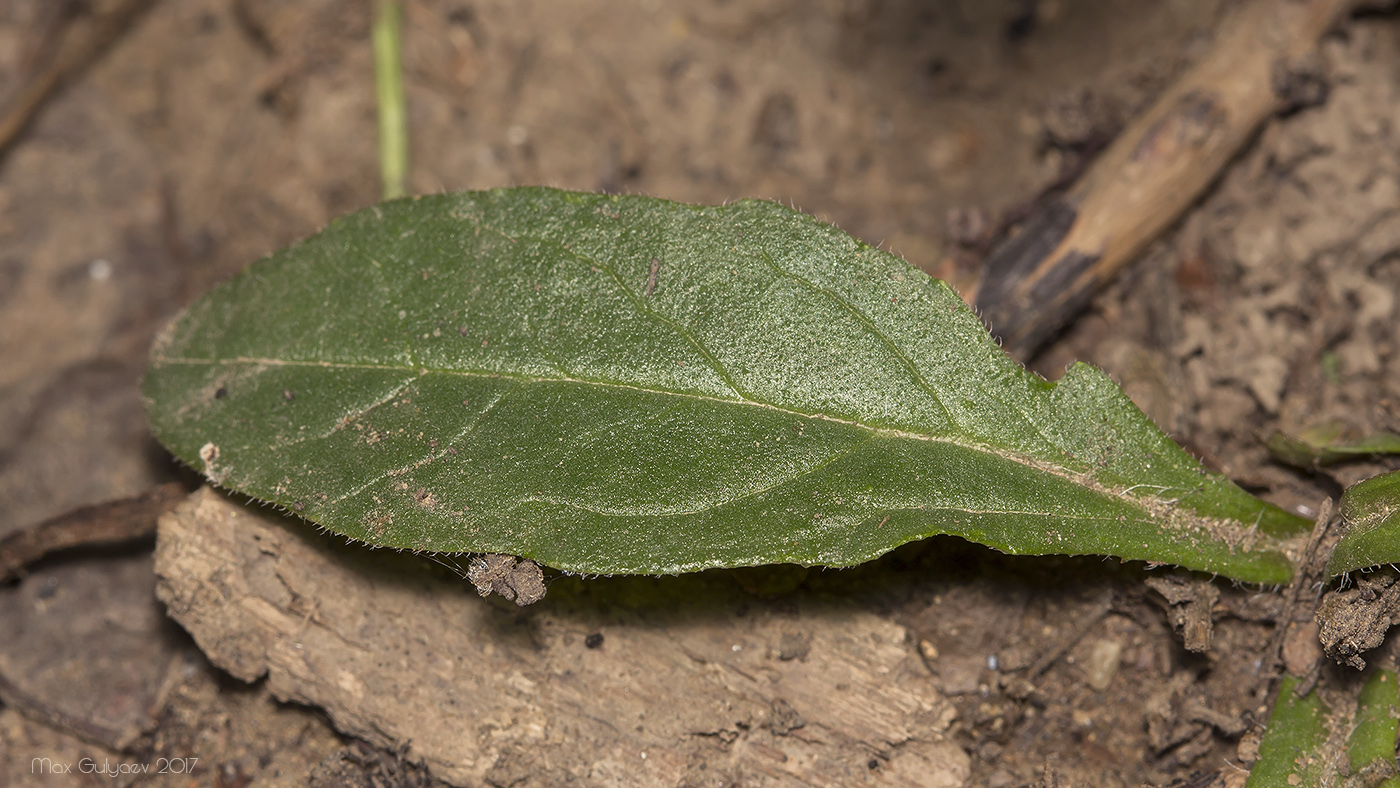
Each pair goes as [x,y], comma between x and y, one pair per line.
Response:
[217,130]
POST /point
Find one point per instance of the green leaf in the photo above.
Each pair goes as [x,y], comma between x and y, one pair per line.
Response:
[1291,751]
[1325,444]
[1371,512]
[630,385]
[1372,741]
[1307,743]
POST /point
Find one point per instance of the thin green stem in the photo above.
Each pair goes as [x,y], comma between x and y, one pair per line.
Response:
[393,113]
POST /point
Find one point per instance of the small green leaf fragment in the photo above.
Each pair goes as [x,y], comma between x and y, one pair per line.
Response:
[1331,364]
[1326,444]
[1290,754]
[1370,511]
[1372,741]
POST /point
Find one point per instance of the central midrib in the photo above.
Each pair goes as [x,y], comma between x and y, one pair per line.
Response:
[1004,454]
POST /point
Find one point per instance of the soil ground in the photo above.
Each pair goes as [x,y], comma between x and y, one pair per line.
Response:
[215,131]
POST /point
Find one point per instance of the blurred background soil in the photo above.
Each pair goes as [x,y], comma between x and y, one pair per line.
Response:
[215,131]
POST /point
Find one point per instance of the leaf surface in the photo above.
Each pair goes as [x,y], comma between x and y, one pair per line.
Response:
[1371,512]
[629,385]
[1327,444]
[1290,750]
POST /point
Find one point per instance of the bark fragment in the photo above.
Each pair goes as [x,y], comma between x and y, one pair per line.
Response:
[400,657]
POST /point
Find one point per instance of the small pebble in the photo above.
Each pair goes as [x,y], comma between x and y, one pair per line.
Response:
[1102,664]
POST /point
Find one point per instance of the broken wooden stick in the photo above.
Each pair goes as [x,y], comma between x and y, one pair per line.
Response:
[99,525]
[1037,281]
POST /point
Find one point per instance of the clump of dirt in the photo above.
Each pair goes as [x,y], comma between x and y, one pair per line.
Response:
[1355,621]
[518,580]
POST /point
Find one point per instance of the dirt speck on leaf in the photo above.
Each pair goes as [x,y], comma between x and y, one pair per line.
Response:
[209,454]
[377,521]
[425,498]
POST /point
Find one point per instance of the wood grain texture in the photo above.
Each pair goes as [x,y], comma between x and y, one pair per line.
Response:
[677,690]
